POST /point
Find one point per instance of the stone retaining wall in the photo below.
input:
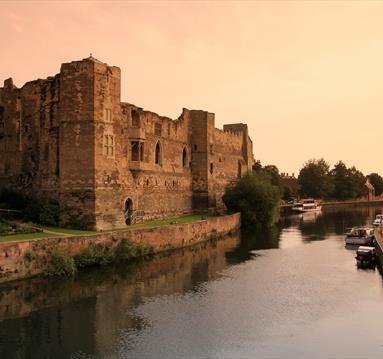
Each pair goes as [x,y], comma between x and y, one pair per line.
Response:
[23,259]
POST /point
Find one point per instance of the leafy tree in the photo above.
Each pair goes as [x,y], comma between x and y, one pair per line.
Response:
[257,166]
[255,197]
[287,194]
[273,172]
[377,182]
[357,182]
[341,186]
[315,180]
[348,182]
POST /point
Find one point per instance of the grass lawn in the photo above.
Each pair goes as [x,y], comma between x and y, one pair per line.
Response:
[21,237]
[70,231]
[64,232]
[167,221]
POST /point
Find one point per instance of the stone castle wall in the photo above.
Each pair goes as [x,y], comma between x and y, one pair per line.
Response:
[108,163]
[29,136]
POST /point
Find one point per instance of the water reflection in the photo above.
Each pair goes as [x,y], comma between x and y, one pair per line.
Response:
[53,319]
[253,240]
[332,221]
[98,314]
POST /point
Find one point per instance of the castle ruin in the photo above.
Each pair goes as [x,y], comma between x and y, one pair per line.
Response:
[108,163]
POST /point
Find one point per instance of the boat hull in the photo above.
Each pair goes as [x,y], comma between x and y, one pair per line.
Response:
[305,210]
[359,240]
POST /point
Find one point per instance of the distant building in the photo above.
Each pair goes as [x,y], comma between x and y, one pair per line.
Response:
[291,182]
[369,190]
[109,163]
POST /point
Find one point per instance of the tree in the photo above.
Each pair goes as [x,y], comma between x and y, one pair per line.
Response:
[315,180]
[357,182]
[273,172]
[257,166]
[255,197]
[339,174]
[348,182]
[377,182]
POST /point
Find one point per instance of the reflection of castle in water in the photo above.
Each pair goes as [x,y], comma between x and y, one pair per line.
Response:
[98,303]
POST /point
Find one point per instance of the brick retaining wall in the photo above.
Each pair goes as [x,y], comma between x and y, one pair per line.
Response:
[23,259]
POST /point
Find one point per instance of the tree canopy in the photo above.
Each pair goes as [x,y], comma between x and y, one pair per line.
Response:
[255,197]
[315,180]
[348,182]
[377,182]
[272,172]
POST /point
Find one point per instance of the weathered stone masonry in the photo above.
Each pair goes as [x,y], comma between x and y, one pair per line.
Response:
[108,163]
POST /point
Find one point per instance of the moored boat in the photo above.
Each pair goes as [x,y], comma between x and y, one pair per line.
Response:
[360,235]
[378,220]
[306,205]
[365,257]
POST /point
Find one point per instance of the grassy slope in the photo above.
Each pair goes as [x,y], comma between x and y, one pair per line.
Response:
[21,237]
[164,222]
[58,231]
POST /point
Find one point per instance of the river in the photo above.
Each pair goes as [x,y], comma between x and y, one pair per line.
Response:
[290,292]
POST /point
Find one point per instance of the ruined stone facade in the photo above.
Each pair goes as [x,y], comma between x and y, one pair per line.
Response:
[108,163]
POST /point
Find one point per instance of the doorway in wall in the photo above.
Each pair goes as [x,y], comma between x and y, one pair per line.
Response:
[128,211]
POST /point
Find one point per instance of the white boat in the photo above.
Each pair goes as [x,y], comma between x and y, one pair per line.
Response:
[378,220]
[360,235]
[306,205]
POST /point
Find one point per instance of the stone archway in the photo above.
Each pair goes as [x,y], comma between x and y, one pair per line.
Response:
[128,211]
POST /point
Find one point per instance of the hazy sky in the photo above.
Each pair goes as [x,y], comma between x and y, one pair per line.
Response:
[306,76]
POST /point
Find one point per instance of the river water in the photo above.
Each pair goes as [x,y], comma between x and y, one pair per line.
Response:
[290,292]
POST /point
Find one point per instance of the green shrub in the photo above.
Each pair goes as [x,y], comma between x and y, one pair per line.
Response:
[44,212]
[61,264]
[94,254]
[127,249]
[232,232]
[49,214]
[8,227]
[255,197]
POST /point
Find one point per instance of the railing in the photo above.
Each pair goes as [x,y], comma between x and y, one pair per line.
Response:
[136,216]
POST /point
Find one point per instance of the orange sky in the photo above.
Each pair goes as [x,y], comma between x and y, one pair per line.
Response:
[307,76]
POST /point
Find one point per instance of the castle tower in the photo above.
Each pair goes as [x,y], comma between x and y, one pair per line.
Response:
[247,145]
[77,143]
[202,166]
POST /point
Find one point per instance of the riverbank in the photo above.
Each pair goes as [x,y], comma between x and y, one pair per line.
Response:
[22,259]
[379,243]
[287,208]
[353,202]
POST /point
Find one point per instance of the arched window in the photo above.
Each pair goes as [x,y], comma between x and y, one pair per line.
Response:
[128,211]
[184,157]
[158,154]
[135,118]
